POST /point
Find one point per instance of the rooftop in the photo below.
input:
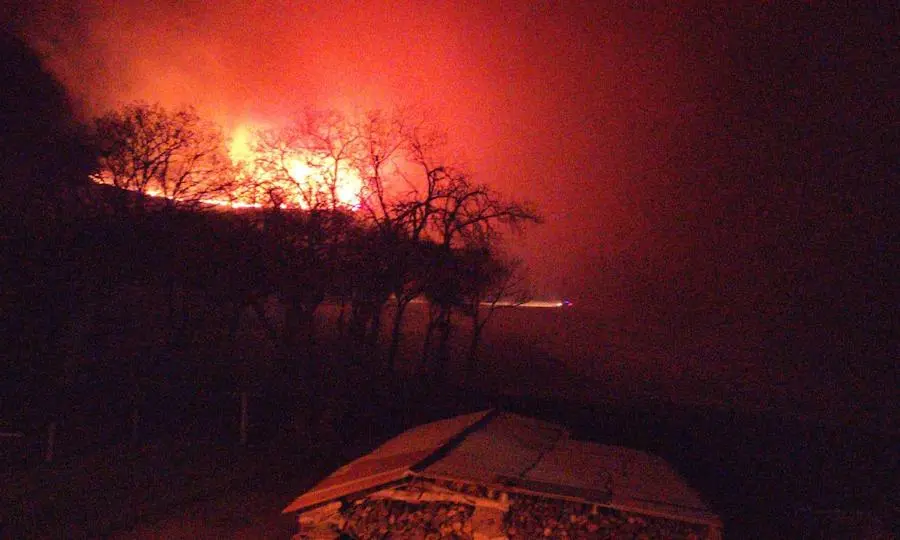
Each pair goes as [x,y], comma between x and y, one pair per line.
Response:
[519,454]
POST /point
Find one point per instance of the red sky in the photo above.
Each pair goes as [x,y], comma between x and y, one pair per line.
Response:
[541,101]
[680,155]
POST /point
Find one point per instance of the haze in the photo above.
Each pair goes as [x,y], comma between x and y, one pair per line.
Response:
[722,170]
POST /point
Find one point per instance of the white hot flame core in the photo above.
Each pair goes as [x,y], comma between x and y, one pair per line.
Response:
[312,179]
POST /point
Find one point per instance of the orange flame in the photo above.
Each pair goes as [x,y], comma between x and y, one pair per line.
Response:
[304,176]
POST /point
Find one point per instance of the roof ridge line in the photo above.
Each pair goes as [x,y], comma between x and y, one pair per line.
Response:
[453,442]
[563,435]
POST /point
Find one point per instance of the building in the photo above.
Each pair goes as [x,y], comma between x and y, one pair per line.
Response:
[500,475]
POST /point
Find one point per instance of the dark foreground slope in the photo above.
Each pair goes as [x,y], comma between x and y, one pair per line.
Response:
[770,472]
[767,477]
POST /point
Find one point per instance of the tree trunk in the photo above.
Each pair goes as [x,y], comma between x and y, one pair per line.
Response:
[234,325]
[299,335]
[374,335]
[356,326]
[244,420]
[429,334]
[473,349]
[309,326]
[51,442]
[267,325]
[396,334]
[135,425]
[443,357]
[375,326]
[341,322]
[179,319]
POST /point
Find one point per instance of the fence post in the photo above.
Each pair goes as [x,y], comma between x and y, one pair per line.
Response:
[135,423]
[51,441]
[244,418]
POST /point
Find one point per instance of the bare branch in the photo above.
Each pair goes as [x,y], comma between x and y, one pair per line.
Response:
[174,156]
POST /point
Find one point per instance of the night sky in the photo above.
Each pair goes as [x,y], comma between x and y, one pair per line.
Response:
[701,165]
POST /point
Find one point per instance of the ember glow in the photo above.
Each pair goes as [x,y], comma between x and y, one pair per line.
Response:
[723,169]
[306,179]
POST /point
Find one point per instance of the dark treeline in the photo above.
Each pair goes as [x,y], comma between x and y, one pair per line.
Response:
[148,279]
[139,247]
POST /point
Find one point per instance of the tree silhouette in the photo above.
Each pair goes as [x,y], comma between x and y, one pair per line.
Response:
[309,163]
[461,215]
[174,156]
[412,228]
[493,283]
[46,158]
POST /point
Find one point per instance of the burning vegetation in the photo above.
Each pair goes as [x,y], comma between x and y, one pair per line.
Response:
[366,213]
[358,210]
[135,273]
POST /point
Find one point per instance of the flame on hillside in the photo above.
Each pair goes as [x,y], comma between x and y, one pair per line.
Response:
[304,180]
[310,179]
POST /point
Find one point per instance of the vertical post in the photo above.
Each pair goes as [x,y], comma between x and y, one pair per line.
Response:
[135,421]
[244,418]
[51,441]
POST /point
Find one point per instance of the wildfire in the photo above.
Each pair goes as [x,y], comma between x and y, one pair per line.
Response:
[310,179]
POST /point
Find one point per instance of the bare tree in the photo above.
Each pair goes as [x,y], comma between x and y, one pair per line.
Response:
[381,147]
[390,205]
[301,250]
[494,283]
[302,175]
[428,209]
[410,273]
[462,215]
[174,156]
[310,162]
[414,211]
[166,166]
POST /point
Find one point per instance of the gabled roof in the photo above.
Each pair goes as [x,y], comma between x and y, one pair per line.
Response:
[517,453]
[390,462]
